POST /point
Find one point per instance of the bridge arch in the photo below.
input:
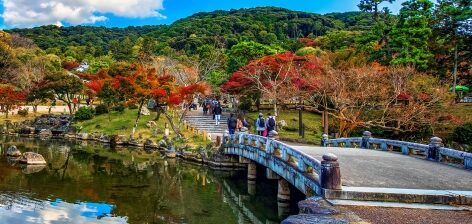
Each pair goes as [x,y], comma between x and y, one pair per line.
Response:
[306,173]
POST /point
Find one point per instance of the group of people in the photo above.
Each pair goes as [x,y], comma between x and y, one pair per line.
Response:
[263,125]
[212,106]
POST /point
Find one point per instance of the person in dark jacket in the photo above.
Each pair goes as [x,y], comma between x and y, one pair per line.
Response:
[270,123]
[232,123]
[217,112]
[260,125]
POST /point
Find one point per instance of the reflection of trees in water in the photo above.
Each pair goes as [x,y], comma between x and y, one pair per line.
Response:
[144,190]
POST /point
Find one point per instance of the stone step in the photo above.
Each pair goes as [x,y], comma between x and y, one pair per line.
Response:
[399,205]
[444,197]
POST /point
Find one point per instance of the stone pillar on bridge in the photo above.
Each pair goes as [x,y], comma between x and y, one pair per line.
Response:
[273,135]
[366,135]
[283,192]
[251,178]
[324,140]
[283,209]
[435,144]
[330,172]
[251,171]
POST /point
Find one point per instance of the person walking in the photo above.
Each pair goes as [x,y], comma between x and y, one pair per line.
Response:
[239,123]
[260,125]
[232,123]
[270,123]
[205,108]
[217,112]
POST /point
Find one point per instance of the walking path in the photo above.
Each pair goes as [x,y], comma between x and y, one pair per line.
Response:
[202,122]
[370,168]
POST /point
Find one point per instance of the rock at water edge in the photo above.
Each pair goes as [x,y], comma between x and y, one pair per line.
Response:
[13,151]
[32,158]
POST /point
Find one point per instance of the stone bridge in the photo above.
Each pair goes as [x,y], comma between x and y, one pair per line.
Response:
[368,169]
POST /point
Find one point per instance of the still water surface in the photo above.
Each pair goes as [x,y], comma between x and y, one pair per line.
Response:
[91,183]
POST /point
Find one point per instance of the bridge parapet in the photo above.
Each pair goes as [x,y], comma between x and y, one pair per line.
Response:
[433,151]
[298,168]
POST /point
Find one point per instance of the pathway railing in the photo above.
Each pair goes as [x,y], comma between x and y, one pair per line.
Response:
[306,173]
[435,150]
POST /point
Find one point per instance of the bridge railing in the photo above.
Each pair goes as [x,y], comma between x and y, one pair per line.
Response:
[433,151]
[303,162]
[268,149]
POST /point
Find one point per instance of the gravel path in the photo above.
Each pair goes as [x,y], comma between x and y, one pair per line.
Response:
[380,215]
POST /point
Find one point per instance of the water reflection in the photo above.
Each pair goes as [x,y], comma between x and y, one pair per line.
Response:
[97,184]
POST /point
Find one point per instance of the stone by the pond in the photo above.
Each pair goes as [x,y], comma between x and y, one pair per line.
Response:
[150,144]
[171,154]
[145,111]
[32,158]
[13,151]
[151,124]
[45,133]
[29,169]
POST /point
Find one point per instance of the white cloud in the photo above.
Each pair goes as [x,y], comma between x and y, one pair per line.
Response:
[28,13]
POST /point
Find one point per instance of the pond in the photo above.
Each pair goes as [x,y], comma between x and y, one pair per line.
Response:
[86,182]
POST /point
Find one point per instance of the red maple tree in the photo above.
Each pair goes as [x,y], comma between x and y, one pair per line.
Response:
[278,78]
[10,98]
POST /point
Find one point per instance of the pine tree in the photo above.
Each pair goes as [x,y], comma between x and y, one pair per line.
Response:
[411,34]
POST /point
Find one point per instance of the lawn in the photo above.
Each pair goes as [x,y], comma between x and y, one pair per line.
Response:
[312,121]
[122,124]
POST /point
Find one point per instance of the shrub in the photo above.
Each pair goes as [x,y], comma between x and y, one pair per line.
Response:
[119,108]
[84,113]
[101,109]
[463,134]
[23,112]
[245,103]
[133,106]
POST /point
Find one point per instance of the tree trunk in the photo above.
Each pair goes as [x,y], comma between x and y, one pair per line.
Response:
[69,105]
[159,111]
[455,71]
[6,112]
[184,113]
[35,108]
[275,108]
[137,118]
[108,112]
[174,128]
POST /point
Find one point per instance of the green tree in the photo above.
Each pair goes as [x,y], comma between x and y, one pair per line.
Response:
[339,39]
[64,86]
[122,50]
[372,6]
[109,96]
[411,34]
[241,53]
[304,51]
[452,26]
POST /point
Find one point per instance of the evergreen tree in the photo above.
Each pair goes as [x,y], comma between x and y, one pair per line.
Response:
[411,34]
[372,6]
[452,31]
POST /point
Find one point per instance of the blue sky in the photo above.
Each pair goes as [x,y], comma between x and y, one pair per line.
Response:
[122,13]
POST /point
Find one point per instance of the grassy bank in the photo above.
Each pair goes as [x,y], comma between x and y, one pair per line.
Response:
[312,121]
[121,123]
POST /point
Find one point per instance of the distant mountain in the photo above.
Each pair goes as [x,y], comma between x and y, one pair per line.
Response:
[268,25]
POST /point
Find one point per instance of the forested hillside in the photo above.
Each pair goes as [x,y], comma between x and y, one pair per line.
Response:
[370,69]
[265,25]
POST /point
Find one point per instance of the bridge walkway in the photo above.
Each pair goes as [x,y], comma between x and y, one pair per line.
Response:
[378,169]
